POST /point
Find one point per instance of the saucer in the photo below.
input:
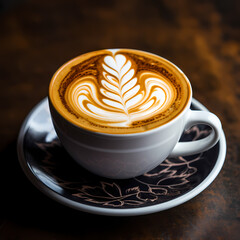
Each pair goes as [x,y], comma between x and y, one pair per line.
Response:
[177,180]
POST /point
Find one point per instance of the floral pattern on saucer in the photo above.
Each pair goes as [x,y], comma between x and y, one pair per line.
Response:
[168,179]
[53,167]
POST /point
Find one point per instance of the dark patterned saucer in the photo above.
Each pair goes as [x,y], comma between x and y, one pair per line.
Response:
[51,169]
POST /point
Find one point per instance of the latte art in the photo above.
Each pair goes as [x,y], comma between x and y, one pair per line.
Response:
[122,97]
[118,91]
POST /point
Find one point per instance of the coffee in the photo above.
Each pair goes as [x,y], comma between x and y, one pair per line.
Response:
[119,91]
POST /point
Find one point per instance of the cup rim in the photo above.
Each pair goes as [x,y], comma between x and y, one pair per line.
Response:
[121,135]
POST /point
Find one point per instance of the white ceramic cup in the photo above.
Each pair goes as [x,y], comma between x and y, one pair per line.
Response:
[122,156]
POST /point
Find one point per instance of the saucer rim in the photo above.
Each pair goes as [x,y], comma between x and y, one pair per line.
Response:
[109,211]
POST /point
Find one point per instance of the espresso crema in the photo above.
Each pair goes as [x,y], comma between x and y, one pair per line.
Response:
[119,91]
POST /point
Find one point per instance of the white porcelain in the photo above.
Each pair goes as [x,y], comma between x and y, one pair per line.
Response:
[122,156]
[55,174]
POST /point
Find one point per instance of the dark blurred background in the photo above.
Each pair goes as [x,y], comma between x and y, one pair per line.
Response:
[37,37]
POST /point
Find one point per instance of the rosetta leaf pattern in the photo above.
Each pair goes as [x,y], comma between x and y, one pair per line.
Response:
[119,80]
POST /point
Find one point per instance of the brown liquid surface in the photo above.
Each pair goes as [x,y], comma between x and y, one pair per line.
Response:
[119,91]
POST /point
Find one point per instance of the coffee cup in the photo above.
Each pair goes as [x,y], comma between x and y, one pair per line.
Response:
[121,112]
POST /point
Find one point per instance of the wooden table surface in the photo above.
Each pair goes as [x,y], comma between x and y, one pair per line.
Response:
[201,37]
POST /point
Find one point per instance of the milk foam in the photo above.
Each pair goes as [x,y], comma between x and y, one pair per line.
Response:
[125,96]
[119,91]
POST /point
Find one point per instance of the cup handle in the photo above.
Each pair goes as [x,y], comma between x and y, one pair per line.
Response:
[198,146]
